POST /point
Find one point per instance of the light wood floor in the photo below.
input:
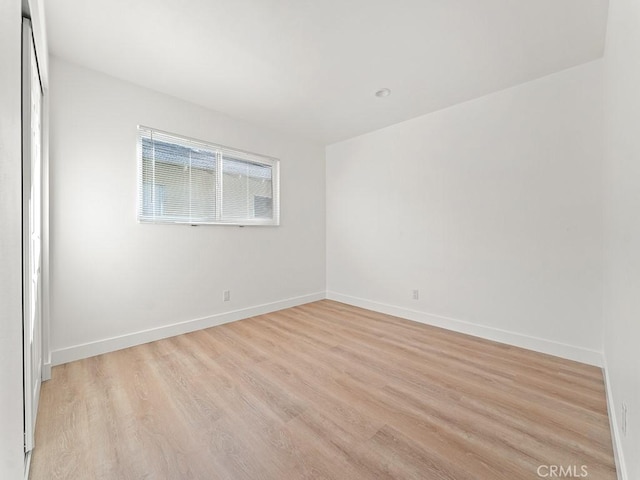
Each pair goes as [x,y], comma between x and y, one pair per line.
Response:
[324,391]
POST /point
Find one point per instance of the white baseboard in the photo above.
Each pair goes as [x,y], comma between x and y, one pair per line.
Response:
[550,347]
[77,352]
[85,350]
[621,467]
[46,371]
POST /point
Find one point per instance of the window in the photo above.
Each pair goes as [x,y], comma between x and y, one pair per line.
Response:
[181,180]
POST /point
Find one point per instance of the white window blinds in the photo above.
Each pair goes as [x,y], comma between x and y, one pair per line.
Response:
[181,180]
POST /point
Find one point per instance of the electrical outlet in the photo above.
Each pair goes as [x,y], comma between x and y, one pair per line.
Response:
[415,294]
[625,418]
[226,296]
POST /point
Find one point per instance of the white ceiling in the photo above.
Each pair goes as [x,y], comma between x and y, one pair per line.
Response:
[311,67]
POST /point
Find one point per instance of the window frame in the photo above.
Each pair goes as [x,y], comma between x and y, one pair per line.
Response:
[221,152]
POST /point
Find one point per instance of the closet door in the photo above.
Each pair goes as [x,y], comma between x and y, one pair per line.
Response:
[31,230]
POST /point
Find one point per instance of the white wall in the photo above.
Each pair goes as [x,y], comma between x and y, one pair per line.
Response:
[113,277]
[491,208]
[622,222]
[11,396]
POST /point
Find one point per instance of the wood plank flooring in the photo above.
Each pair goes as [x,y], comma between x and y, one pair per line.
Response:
[322,391]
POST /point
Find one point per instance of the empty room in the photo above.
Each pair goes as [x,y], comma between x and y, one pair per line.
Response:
[276,239]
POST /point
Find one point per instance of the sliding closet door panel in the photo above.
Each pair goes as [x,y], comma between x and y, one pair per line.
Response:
[31,230]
